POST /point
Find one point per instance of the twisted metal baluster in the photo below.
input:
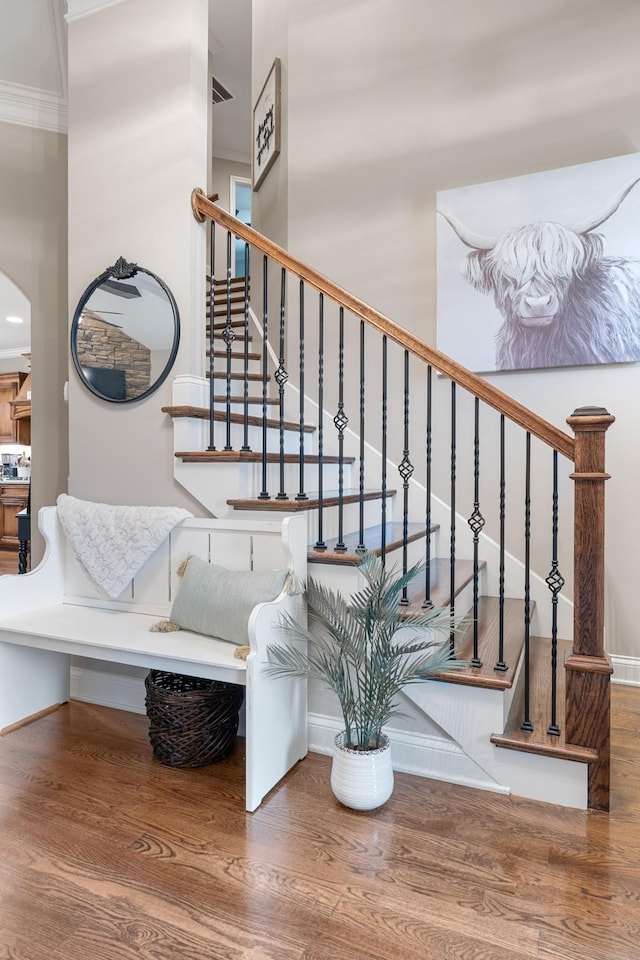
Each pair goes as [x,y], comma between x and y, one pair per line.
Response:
[281,377]
[555,582]
[245,445]
[500,664]
[428,603]
[341,420]
[361,548]
[476,522]
[301,495]
[320,544]
[526,723]
[264,493]
[212,300]
[405,469]
[228,336]
[452,527]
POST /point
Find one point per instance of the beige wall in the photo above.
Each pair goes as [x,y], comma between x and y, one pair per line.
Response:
[222,171]
[137,147]
[33,253]
[389,102]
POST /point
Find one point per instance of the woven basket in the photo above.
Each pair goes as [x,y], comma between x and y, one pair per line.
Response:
[192,722]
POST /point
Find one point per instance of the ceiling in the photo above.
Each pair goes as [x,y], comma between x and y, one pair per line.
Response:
[33,88]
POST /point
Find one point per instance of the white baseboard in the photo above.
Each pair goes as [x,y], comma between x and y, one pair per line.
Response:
[420,754]
[108,689]
[626,670]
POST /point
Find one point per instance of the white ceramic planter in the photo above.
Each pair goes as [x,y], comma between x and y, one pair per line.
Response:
[362,779]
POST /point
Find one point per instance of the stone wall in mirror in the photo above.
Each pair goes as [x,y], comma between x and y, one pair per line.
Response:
[125,333]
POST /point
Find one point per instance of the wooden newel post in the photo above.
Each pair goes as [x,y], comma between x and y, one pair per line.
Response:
[588,669]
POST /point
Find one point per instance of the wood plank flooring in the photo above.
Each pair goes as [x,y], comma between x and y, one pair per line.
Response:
[107,855]
[8,563]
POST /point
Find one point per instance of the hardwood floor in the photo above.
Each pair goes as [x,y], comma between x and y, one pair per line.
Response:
[107,855]
[8,561]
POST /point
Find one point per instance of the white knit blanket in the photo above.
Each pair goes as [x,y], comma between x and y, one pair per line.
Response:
[113,542]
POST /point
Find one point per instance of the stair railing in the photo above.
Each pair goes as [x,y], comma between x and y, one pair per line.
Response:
[580,698]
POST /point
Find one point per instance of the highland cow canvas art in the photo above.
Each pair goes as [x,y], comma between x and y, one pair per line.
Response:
[543,270]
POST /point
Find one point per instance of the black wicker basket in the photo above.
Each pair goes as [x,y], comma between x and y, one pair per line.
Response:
[192,722]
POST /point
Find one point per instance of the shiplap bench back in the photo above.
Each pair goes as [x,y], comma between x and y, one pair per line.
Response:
[55,612]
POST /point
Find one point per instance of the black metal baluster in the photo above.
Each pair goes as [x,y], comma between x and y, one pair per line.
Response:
[228,336]
[245,445]
[383,509]
[476,522]
[526,723]
[405,469]
[212,300]
[341,420]
[500,664]
[555,582]
[301,495]
[264,493]
[428,603]
[281,377]
[320,544]
[452,527]
[362,547]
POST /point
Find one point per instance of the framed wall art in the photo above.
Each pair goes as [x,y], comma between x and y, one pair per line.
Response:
[266,126]
[542,270]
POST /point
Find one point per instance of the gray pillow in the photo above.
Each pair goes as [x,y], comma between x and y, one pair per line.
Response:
[218,602]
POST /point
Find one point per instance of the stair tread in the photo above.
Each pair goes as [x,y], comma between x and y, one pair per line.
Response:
[251,377]
[252,456]
[538,740]
[238,338]
[236,354]
[488,637]
[330,499]
[202,413]
[372,537]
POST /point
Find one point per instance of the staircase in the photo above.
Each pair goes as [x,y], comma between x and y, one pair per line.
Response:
[314,402]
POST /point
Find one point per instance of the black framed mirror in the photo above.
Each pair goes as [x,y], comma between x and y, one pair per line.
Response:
[125,333]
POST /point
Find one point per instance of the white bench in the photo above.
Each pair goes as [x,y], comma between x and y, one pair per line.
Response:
[53,613]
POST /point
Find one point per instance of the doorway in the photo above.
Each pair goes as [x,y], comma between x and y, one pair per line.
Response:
[240,197]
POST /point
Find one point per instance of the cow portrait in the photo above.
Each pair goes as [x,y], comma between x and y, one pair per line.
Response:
[562,300]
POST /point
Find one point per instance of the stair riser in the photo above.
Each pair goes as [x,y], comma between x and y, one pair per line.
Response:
[193,435]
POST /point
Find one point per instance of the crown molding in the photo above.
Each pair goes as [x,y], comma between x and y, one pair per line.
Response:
[31,107]
[76,9]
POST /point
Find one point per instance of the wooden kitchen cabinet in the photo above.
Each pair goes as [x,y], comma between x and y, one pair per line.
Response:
[13,498]
[11,430]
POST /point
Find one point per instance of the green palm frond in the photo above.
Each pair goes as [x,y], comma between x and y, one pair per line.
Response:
[365,649]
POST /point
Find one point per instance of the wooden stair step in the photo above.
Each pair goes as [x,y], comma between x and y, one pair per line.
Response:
[539,740]
[223,325]
[330,499]
[217,333]
[202,413]
[488,641]
[253,456]
[220,297]
[235,354]
[372,537]
[222,375]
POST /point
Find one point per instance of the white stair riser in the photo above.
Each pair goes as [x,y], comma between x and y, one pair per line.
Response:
[345,576]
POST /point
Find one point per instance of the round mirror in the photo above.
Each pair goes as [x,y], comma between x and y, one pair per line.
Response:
[125,333]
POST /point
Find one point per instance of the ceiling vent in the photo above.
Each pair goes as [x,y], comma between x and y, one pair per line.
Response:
[219,93]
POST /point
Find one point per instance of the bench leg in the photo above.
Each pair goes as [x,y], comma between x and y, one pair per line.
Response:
[31,680]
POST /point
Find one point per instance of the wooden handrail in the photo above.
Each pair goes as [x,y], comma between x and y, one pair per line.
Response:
[204,209]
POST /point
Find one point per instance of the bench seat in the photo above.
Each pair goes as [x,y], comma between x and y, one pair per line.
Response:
[55,613]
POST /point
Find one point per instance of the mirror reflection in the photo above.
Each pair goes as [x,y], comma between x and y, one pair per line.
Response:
[125,333]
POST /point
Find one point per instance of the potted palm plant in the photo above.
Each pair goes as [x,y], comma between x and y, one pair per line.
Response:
[366,649]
